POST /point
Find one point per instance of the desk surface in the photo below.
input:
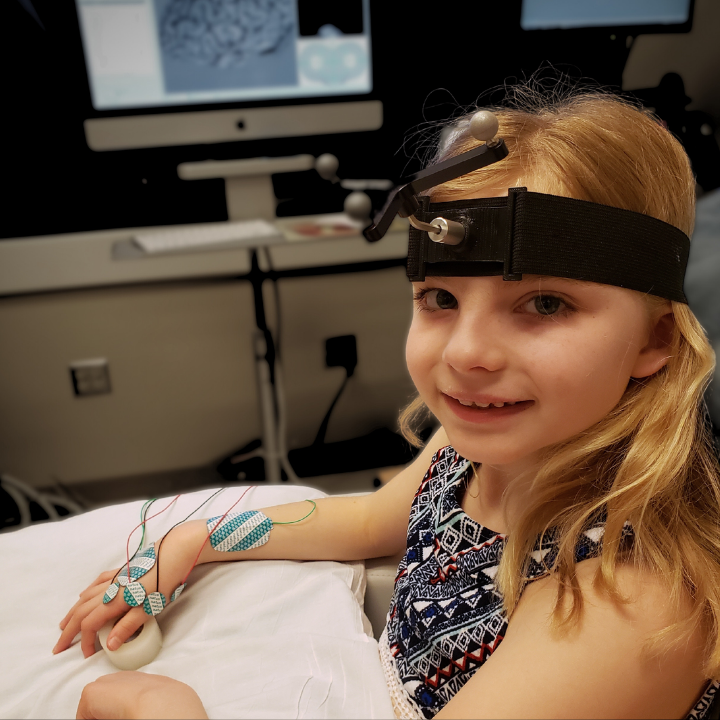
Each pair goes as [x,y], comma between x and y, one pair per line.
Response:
[91,259]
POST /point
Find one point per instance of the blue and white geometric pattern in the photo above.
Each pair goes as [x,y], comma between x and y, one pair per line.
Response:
[177,591]
[135,574]
[134,594]
[138,566]
[110,593]
[239,531]
[145,559]
[446,616]
[702,707]
[154,603]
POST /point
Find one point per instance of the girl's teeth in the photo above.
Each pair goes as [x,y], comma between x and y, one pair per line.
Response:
[485,405]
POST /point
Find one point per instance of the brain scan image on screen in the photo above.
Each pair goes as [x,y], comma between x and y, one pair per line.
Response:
[217,44]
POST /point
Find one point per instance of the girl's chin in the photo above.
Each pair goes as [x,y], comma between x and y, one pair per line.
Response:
[471,450]
[488,450]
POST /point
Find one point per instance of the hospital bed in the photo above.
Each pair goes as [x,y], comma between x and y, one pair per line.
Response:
[260,639]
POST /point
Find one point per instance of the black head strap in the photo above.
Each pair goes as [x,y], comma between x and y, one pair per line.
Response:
[539,234]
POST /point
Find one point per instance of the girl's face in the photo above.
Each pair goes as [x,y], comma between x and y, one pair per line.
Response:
[562,350]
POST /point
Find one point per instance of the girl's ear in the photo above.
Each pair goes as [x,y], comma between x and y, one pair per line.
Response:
[654,355]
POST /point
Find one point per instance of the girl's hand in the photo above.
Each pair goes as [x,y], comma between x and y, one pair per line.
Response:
[130,695]
[89,614]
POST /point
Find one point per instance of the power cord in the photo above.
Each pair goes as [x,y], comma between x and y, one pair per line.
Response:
[23,495]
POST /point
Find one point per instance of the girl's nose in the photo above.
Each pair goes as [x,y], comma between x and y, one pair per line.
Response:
[475,343]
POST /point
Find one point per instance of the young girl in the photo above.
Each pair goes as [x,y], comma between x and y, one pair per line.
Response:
[562,557]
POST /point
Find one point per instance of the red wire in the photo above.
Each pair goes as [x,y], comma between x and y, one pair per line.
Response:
[197,557]
[127,546]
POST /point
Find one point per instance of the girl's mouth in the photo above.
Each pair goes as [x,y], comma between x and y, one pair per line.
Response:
[481,413]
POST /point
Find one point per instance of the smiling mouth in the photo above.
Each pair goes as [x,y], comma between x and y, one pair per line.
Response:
[489,405]
[507,405]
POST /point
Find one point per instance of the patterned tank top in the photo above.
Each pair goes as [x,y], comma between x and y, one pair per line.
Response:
[446,616]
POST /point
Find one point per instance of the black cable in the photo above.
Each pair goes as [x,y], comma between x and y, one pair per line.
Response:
[143,515]
[162,539]
[276,292]
[320,437]
[256,276]
[159,545]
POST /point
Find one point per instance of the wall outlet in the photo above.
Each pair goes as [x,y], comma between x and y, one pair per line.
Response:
[341,351]
[90,377]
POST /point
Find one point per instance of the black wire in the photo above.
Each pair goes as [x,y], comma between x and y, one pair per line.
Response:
[162,539]
[142,520]
[320,437]
[157,550]
[276,293]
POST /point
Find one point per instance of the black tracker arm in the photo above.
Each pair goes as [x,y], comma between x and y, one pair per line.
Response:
[403,200]
[531,233]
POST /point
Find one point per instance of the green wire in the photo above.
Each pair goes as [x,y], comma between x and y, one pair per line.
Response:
[292,522]
[143,514]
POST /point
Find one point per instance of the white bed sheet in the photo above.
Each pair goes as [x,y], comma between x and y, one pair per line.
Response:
[255,639]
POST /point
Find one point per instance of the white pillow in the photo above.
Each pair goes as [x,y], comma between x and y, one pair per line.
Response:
[256,639]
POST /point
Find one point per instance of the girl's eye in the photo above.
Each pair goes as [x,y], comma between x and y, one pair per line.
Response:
[436,299]
[547,306]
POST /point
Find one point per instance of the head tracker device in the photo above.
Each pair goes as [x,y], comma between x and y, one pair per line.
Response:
[531,233]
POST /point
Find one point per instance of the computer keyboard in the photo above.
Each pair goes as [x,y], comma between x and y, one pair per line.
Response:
[216,235]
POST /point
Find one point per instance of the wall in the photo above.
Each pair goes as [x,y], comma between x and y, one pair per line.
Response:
[182,373]
[183,389]
[377,308]
[694,55]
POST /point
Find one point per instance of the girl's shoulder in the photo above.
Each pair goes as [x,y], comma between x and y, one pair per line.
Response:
[616,643]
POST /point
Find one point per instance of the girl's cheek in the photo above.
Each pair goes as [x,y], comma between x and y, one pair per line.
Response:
[418,356]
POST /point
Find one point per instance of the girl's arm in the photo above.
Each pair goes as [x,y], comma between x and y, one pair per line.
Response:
[600,669]
[341,528]
[130,695]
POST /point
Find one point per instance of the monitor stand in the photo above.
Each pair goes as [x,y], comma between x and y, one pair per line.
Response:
[248,183]
[250,196]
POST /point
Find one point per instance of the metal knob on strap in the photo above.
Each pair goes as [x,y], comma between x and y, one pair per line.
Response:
[404,201]
[440,230]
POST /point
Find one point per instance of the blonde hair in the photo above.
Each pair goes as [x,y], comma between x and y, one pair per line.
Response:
[650,461]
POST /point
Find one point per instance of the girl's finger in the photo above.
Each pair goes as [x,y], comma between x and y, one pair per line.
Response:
[104,577]
[71,612]
[72,626]
[89,593]
[94,621]
[125,627]
[101,581]
[85,598]
[74,622]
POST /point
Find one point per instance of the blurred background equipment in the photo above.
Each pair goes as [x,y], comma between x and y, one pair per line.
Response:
[107,99]
[127,121]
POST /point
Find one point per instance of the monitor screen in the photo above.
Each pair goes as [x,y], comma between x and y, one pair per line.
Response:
[159,53]
[565,14]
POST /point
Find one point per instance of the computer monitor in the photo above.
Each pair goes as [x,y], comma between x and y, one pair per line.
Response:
[178,72]
[650,15]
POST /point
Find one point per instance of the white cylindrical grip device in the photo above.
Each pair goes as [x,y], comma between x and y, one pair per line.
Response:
[137,652]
